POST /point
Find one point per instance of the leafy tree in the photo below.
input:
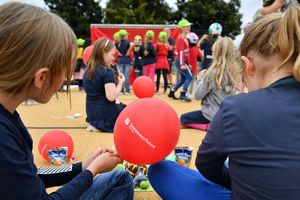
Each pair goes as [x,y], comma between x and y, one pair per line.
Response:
[202,13]
[78,14]
[137,12]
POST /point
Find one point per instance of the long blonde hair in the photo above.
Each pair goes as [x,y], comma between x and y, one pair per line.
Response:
[289,39]
[101,46]
[224,69]
[32,38]
[276,33]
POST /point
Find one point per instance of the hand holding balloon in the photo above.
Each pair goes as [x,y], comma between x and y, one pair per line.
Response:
[104,162]
[92,156]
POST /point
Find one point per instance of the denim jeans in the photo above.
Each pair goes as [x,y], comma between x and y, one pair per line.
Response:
[195,117]
[112,185]
[125,69]
[185,78]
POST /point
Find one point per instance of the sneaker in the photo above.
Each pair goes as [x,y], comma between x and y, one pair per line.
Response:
[190,96]
[30,102]
[127,93]
[91,128]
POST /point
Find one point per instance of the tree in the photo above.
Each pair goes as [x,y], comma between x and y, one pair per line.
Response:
[202,13]
[137,12]
[78,14]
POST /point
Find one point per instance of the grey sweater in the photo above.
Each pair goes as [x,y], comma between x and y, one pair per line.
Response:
[211,96]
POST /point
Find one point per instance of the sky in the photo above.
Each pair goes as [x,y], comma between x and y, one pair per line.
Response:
[248,8]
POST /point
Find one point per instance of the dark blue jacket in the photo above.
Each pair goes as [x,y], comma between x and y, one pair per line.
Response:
[260,133]
[206,46]
[19,177]
[123,47]
[150,58]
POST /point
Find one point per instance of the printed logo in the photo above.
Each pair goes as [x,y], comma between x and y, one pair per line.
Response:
[134,130]
[127,121]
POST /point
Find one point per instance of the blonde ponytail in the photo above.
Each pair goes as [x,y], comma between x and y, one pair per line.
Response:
[289,40]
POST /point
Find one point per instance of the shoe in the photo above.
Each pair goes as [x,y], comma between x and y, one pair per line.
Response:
[30,102]
[184,97]
[172,95]
[91,128]
[165,91]
[190,96]
[127,93]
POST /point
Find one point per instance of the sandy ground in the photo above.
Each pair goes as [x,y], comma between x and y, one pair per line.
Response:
[41,118]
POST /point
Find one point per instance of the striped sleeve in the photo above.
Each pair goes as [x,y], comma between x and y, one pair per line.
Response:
[56,176]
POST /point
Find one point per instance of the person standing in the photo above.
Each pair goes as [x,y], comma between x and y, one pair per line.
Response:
[148,55]
[182,61]
[171,43]
[124,60]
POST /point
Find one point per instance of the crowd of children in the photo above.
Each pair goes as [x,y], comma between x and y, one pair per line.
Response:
[257,132]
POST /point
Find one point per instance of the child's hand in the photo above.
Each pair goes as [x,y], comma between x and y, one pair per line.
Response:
[89,159]
[204,37]
[183,67]
[146,52]
[121,78]
[104,163]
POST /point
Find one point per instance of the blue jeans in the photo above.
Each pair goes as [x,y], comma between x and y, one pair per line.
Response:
[194,117]
[175,182]
[185,78]
[112,185]
[125,69]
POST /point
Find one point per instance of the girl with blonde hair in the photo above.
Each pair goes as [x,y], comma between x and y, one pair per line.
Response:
[258,132]
[37,53]
[162,65]
[220,80]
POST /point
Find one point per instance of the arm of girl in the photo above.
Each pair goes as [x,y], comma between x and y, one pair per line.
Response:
[202,87]
[272,8]
[112,91]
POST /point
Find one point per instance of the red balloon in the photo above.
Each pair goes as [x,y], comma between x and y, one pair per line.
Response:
[143,87]
[86,54]
[146,131]
[55,139]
